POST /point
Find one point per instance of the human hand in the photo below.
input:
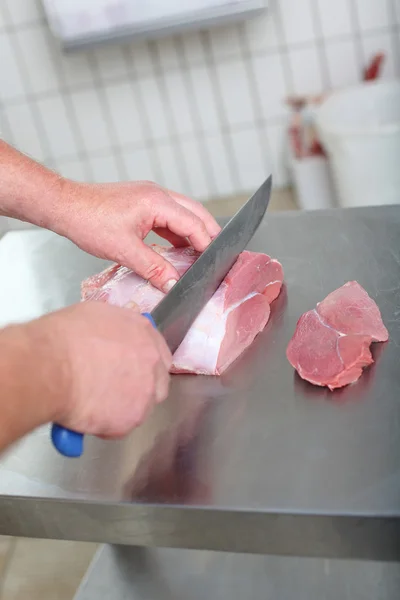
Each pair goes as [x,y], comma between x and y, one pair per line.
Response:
[111,221]
[116,367]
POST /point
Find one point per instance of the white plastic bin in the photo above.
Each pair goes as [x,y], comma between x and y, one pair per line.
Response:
[312,182]
[360,130]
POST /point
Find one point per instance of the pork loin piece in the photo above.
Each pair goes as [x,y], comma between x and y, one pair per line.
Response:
[233,317]
[330,346]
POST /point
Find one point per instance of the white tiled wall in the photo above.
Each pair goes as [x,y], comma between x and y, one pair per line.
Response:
[201,112]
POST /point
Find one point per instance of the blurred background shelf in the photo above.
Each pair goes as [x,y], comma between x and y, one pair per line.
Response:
[88,22]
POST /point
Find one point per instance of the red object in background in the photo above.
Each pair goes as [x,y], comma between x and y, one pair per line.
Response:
[303,136]
[374,68]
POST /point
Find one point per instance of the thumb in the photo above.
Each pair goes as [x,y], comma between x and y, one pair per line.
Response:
[151,266]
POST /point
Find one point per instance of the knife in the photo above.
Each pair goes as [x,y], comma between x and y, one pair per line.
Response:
[174,315]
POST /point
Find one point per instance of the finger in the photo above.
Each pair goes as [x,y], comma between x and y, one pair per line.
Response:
[162,383]
[133,306]
[165,353]
[184,223]
[198,209]
[172,238]
[149,265]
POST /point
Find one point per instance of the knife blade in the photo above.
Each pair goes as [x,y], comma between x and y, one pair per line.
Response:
[174,315]
[176,312]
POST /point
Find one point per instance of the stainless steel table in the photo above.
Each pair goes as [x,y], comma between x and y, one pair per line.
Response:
[256,461]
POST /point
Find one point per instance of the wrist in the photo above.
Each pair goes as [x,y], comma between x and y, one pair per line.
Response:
[31,192]
[35,374]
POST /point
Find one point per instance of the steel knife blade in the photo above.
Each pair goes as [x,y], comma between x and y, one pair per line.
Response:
[174,315]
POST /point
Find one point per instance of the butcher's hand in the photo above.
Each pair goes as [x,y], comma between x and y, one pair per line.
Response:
[107,220]
[112,220]
[94,368]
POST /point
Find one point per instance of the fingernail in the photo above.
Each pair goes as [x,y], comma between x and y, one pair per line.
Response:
[132,305]
[169,285]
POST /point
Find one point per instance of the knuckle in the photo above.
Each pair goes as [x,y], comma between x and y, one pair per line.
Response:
[154,271]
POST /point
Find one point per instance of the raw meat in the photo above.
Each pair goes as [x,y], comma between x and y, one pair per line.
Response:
[330,346]
[236,313]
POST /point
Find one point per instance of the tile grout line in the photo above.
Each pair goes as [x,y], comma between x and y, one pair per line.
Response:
[70,112]
[148,143]
[138,97]
[195,113]
[163,93]
[32,102]
[256,100]
[321,45]
[279,50]
[105,108]
[219,103]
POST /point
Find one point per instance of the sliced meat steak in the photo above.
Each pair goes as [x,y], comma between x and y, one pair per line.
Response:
[330,346]
[227,325]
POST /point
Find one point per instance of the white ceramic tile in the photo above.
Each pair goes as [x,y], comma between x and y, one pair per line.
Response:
[372,14]
[335,17]
[11,79]
[37,49]
[396,11]
[58,127]
[167,51]
[199,187]
[75,69]
[277,138]
[26,136]
[104,168]
[205,97]
[110,62]
[91,120]
[5,18]
[216,148]
[171,174]
[24,11]
[297,20]
[155,106]
[270,81]
[225,42]
[73,169]
[235,93]
[141,58]
[126,120]
[306,70]
[193,47]
[251,163]
[343,68]
[261,32]
[139,165]
[5,130]
[382,42]
[179,101]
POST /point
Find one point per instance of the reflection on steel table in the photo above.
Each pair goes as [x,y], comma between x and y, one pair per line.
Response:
[254,461]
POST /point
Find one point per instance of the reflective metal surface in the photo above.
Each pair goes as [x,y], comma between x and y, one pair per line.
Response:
[256,460]
[140,574]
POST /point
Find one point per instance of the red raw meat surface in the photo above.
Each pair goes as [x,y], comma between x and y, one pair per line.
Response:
[228,324]
[330,346]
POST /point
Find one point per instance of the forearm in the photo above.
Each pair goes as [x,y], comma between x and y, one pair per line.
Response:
[31,382]
[28,190]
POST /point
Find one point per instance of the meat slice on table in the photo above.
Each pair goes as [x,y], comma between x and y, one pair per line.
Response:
[228,324]
[331,344]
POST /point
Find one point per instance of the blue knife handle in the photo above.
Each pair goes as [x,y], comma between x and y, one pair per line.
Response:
[70,443]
